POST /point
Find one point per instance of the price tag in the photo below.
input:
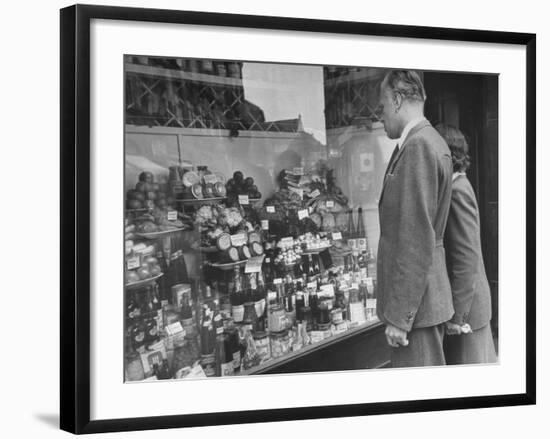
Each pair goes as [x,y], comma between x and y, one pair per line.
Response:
[238,239]
[219,330]
[254,264]
[304,213]
[277,281]
[265,224]
[132,263]
[310,209]
[312,285]
[270,209]
[210,178]
[172,215]
[271,295]
[336,236]
[354,286]
[315,193]
[330,203]
[298,171]
[362,244]
[243,200]
[371,303]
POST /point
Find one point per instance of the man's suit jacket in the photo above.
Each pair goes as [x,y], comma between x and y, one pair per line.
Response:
[413,286]
[469,285]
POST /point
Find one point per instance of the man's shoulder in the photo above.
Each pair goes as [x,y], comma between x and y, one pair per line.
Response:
[424,134]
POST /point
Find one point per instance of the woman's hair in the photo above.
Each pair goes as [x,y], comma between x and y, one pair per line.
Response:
[457,144]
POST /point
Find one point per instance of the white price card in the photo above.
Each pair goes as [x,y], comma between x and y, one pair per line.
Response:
[238,239]
[315,193]
[330,203]
[312,285]
[288,241]
[304,213]
[336,236]
[270,209]
[132,263]
[265,224]
[243,200]
[277,281]
[254,264]
[172,215]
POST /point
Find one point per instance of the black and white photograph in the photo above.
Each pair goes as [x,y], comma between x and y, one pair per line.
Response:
[284,218]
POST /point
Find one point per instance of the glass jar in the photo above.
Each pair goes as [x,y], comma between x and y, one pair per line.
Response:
[277,319]
[280,343]
[261,340]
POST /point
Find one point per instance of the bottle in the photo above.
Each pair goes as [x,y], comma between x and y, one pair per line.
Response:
[137,335]
[224,357]
[237,299]
[360,230]
[261,303]
[310,267]
[351,228]
[163,372]
[207,333]
[163,288]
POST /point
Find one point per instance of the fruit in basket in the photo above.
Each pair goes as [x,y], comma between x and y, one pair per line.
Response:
[143,272]
[249,182]
[147,227]
[155,270]
[146,176]
[132,276]
[151,260]
[151,195]
[133,194]
[141,186]
[208,190]
[161,203]
[134,204]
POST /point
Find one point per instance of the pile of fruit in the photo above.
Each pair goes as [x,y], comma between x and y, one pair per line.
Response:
[148,265]
[148,194]
[239,185]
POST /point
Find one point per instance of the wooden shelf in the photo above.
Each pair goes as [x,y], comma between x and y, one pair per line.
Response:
[309,349]
[160,72]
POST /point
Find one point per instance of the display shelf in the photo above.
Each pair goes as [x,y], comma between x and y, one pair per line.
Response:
[143,283]
[195,201]
[309,349]
[156,235]
[228,265]
[316,251]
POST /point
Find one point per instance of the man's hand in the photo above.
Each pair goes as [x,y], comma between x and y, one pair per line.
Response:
[452,328]
[396,337]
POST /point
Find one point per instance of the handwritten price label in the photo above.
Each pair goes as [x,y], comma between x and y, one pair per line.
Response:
[132,263]
[330,203]
[277,281]
[210,179]
[265,224]
[270,209]
[243,200]
[336,236]
[304,213]
[172,215]
[254,264]
[315,193]
[238,239]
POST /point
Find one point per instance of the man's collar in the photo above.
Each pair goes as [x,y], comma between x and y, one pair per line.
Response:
[412,123]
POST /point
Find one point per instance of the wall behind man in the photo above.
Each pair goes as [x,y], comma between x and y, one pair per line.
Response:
[30,71]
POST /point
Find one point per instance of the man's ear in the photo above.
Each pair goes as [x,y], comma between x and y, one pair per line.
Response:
[397,101]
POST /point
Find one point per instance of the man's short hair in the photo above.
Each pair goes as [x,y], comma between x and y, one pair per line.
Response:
[407,83]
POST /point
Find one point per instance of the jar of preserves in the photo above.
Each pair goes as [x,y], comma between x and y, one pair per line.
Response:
[261,340]
[277,319]
[280,343]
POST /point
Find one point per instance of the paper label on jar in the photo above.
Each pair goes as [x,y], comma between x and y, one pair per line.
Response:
[304,213]
[243,200]
[271,295]
[312,285]
[336,236]
[362,244]
[172,215]
[254,264]
[238,239]
[210,179]
[132,262]
[315,193]
[270,209]
[330,203]
[238,313]
[316,336]
[277,281]
[265,224]
[259,306]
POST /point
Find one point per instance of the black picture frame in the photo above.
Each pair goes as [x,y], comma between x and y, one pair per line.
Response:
[75,216]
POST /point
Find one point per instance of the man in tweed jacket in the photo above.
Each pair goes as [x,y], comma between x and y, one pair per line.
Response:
[414,294]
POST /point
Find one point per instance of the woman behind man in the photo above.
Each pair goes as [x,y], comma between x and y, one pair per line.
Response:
[469,339]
